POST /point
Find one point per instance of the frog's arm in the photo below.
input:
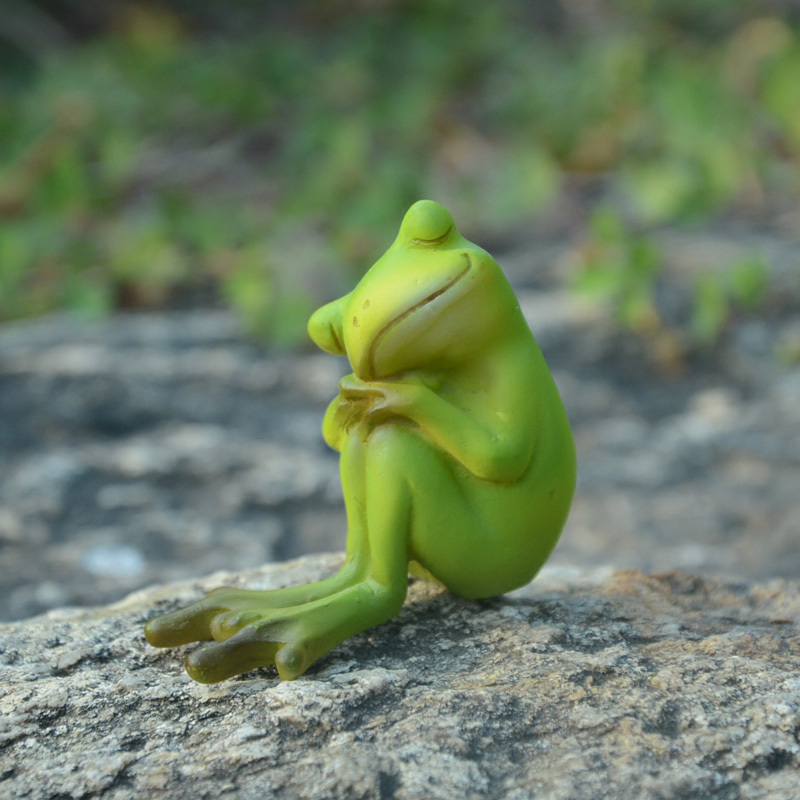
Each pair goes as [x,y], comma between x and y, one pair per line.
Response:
[333,431]
[500,453]
[496,444]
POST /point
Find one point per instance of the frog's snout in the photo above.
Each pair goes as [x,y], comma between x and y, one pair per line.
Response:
[426,223]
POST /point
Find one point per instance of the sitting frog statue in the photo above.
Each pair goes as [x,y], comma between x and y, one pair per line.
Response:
[457,460]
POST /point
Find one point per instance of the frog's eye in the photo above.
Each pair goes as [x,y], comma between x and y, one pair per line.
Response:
[426,223]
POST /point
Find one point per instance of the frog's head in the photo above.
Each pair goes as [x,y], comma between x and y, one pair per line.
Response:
[430,300]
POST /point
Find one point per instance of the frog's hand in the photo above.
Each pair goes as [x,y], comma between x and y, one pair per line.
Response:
[325,327]
[498,451]
[336,422]
[346,410]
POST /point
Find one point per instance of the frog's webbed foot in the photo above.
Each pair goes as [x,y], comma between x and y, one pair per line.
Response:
[249,634]
[197,622]
[248,639]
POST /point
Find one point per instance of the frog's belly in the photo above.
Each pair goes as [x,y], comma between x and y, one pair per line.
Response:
[480,538]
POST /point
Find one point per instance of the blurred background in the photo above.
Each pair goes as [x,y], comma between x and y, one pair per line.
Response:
[182,183]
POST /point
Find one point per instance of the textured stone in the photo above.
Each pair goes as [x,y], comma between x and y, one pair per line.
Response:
[585,684]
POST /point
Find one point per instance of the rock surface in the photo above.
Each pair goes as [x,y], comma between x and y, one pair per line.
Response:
[585,684]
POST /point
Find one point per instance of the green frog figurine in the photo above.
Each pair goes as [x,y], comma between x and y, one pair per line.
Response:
[457,459]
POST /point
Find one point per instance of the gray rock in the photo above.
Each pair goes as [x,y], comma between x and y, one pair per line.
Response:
[586,684]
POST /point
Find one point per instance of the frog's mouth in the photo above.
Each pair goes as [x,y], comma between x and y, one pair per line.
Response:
[395,321]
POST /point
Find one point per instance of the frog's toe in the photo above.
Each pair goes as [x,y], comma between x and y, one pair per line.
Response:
[248,649]
[190,624]
[223,626]
[292,660]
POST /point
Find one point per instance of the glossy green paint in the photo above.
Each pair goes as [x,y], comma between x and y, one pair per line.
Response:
[457,460]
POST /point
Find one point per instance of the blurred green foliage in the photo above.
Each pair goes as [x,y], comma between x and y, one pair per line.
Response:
[620,267]
[266,162]
[740,286]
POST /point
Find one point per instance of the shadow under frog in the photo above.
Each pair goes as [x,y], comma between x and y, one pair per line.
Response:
[457,460]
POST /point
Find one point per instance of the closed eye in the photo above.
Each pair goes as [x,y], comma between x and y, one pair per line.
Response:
[432,242]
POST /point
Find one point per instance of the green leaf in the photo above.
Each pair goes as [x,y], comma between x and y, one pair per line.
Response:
[710,309]
[289,318]
[605,225]
[66,186]
[661,190]
[598,281]
[747,280]
[248,287]
[88,296]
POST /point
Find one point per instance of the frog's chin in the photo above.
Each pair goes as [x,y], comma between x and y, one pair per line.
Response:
[405,342]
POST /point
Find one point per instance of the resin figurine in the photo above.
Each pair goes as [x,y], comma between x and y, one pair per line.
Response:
[457,460]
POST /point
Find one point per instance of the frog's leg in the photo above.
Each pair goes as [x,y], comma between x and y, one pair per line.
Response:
[479,538]
[194,623]
[256,634]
